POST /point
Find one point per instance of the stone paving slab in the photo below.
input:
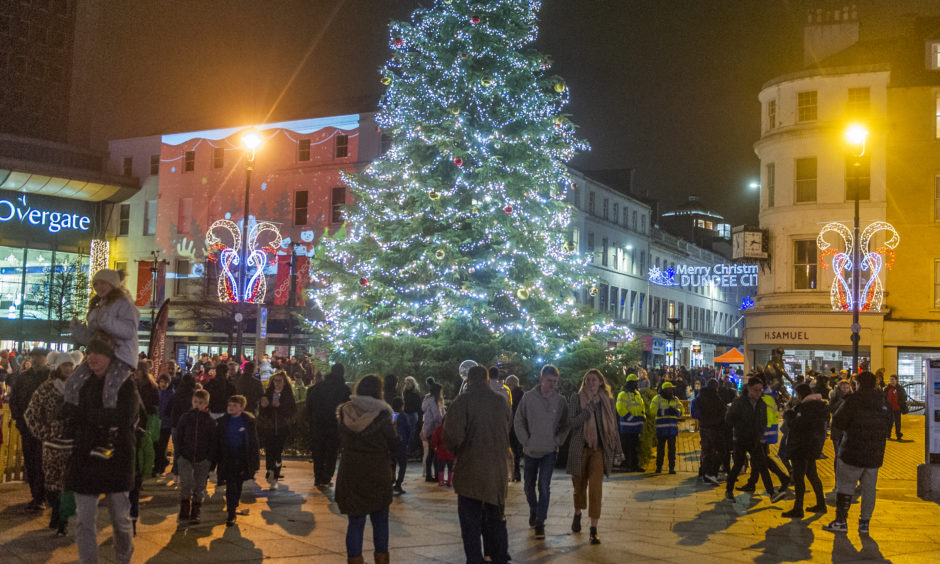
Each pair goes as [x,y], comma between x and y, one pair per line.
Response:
[645,518]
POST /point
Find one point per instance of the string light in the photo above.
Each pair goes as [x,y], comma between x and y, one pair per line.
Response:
[465,215]
[871,295]
[227,253]
[257,285]
[227,256]
[98,255]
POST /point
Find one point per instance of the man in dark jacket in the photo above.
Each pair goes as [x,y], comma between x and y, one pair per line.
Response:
[320,409]
[807,434]
[748,420]
[24,386]
[90,476]
[866,421]
[250,386]
[220,389]
[896,398]
[710,412]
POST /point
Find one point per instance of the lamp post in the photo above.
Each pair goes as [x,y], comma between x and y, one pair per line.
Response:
[251,141]
[675,333]
[856,136]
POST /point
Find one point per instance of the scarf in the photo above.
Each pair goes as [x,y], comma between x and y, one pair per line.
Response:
[609,427]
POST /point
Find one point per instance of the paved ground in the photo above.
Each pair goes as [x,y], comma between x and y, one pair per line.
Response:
[646,518]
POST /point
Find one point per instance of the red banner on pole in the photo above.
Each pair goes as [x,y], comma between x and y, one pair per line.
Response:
[303,275]
[144,283]
[282,283]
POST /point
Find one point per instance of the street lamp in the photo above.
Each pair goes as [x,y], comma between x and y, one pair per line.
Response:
[856,136]
[675,332]
[251,140]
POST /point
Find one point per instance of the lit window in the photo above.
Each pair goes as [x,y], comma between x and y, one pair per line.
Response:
[806,106]
[806,180]
[804,265]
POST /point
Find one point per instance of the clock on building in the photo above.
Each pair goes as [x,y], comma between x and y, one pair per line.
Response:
[748,243]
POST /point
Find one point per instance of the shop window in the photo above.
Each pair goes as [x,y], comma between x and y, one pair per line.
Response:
[806,180]
[124,220]
[189,161]
[337,201]
[770,183]
[303,150]
[806,108]
[804,265]
[857,177]
[342,146]
[218,157]
[300,207]
[154,164]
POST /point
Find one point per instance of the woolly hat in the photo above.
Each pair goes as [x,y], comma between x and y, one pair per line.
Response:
[56,359]
[112,277]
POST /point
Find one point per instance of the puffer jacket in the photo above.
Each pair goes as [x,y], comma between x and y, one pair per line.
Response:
[866,420]
[119,319]
[747,419]
[276,421]
[807,428]
[368,440]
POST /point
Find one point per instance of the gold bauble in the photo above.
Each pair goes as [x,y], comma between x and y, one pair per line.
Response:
[560,86]
[522,294]
[386,81]
[434,195]
[594,290]
[439,254]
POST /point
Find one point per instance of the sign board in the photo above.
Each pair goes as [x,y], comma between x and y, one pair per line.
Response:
[693,275]
[933,409]
[181,356]
[658,347]
[36,217]
[264,323]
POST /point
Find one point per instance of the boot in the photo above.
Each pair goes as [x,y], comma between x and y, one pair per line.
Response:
[594,538]
[797,511]
[355,560]
[184,510]
[380,557]
[839,525]
[194,512]
[52,500]
[820,506]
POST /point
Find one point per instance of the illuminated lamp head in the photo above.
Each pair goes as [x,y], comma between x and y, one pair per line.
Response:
[855,136]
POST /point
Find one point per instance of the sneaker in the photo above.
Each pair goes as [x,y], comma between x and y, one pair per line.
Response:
[59,443]
[710,480]
[747,488]
[779,496]
[863,526]
[836,527]
[540,530]
[398,489]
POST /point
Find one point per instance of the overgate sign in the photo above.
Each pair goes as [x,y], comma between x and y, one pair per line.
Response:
[721,275]
[53,221]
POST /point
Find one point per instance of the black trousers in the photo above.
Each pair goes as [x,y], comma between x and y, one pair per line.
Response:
[324,447]
[160,460]
[897,424]
[660,442]
[758,464]
[771,465]
[711,444]
[629,443]
[273,448]
[479,519]
[32,461]
[806,467]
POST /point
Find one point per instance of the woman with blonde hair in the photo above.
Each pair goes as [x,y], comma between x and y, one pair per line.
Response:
[277,409]
[594,447]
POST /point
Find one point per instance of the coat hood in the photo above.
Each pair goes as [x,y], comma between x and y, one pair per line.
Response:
[360,411]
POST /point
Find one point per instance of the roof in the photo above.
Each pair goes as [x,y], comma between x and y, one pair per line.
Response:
[693,206]
[734,356]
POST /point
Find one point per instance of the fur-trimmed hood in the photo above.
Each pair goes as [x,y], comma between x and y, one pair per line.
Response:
[360,411]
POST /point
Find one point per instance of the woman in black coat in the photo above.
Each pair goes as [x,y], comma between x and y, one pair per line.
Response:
[807,424]
[274,421]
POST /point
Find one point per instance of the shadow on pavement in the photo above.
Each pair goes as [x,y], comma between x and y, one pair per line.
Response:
[184,544]
[285,511]
[247,552]
[844,551]
[791,541]
[721,516]
[684,488]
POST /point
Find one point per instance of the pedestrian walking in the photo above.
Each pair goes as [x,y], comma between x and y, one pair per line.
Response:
[477,426]
[364,483]
[866,421]
[896,398]
[235,452]
[667,410]
[748,420]
[274,421]
[516,393]
[807,433]
[193,448]
[24,387]
[405,428]
[433,413]
[632,411]
[594,447]
[220,389]
[249,385]
[710,411]
[322,401]
[770,438]
[90,476]
[541,426]
[837,397]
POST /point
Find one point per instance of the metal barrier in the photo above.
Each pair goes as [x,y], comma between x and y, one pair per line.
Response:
[11,451]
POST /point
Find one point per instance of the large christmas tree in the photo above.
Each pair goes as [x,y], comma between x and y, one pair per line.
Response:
[464,218]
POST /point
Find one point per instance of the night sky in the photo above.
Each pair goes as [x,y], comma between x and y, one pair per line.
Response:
[666,87]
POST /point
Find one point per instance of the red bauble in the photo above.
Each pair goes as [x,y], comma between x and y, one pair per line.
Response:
[475,19]
[363,281]
[463,56]
[458,161]
[398,42]
[507,209]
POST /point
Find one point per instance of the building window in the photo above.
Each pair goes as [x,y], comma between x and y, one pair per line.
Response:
[634,225]
[806,180]
[590,244]
[591,203]
[804,265]
[859,102]
[189,161]
[218,157]
[642,263]
[642,224]
[858,177]
[616,213]
[124,220]
[154,164]
[303,150]
[185,216]
[337,201]
[771,114]
[936,283]
[120,266]
[605,247]
[605,208]
[150,217]
[770,183]
[183,270]
[300,207]
[806,106]
[128,166]
[625,215]
[934,56]
[342,146]
[604,295]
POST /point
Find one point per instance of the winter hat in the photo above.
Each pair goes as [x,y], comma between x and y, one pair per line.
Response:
[112,277]
[56,359]
[38,351]
[632,378]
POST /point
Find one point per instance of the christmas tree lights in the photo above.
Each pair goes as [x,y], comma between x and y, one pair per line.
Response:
[465,215]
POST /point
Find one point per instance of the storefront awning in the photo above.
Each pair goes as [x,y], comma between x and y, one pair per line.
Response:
[734,356]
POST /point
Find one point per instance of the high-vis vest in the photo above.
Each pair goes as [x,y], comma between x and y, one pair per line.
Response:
[770,433]
[632,412]
[667,415]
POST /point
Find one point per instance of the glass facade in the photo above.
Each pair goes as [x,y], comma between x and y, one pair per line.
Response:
[42,285]
[912,370]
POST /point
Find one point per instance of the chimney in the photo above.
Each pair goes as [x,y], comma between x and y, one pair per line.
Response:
[829,31]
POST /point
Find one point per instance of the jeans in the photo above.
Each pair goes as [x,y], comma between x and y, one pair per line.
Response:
[86,512]
[849,476]
[356,528]
[758,463]
[482,519]
[897,424]
[538,469]
[660,442]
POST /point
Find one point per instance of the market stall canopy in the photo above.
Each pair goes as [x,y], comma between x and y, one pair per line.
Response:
[734,356]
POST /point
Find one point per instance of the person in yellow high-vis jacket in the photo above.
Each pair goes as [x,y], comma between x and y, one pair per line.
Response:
[632,411]
[667,410]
